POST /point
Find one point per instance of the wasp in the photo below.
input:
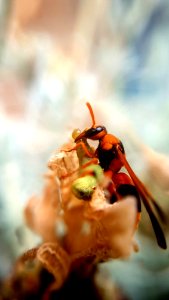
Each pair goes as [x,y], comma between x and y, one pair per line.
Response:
[111,157]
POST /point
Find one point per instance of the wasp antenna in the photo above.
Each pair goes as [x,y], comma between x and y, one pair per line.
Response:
[91,113]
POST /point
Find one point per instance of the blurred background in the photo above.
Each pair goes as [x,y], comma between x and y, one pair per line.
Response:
[55,54]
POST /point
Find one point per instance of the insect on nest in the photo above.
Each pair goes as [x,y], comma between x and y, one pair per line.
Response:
[89,209]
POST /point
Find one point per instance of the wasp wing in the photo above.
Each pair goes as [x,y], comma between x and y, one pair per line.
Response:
[147,199]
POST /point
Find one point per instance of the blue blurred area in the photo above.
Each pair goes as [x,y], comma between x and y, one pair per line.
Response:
[151,39]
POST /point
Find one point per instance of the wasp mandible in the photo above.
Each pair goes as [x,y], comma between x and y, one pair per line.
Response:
[111,157]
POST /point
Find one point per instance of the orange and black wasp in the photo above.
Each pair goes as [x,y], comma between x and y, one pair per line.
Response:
[111,157]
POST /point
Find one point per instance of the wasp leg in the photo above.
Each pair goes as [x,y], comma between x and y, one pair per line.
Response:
[90,154]
[81,144]
[93,161]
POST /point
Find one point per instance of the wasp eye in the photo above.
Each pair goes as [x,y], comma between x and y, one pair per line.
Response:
[95,130]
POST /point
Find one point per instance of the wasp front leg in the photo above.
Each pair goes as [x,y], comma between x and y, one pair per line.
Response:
[81,144]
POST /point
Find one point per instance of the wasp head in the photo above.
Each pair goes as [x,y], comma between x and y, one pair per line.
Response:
[93,133]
